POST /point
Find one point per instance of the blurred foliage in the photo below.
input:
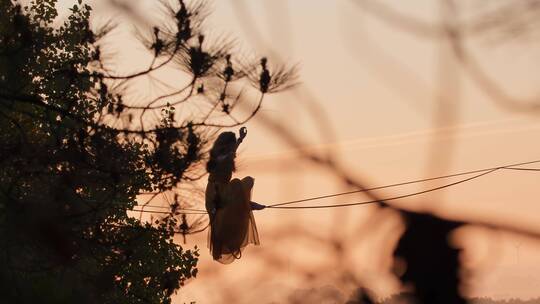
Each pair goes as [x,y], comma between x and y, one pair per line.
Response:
[432,265]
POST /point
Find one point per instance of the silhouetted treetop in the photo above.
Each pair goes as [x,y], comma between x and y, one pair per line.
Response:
[76,151]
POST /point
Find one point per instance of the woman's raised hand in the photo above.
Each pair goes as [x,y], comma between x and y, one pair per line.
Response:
[243,133]
[241,136]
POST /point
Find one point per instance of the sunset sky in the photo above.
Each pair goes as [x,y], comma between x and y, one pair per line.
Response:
[380,88]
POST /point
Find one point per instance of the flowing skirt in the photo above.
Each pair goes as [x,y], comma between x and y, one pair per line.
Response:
[233,226]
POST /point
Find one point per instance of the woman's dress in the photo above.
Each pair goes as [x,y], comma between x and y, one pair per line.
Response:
[232,225]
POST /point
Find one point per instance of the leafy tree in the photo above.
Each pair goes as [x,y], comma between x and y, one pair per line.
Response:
[74,158]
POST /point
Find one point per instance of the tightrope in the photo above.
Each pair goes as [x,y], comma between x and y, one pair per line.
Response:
[283,205]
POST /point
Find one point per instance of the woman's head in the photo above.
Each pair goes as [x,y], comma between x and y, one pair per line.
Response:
[222,155]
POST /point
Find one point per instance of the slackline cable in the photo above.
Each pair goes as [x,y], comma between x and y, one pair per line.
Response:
[283,205]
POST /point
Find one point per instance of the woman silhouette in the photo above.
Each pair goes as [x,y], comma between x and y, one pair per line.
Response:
[228,202]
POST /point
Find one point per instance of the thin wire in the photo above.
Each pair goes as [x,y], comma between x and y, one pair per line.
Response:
[168,207]
[387,199]
[171,212]
[482,172]
[523,169]
[508,167]
[282,205]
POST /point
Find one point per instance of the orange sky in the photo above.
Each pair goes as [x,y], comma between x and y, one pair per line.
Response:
[379,88]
